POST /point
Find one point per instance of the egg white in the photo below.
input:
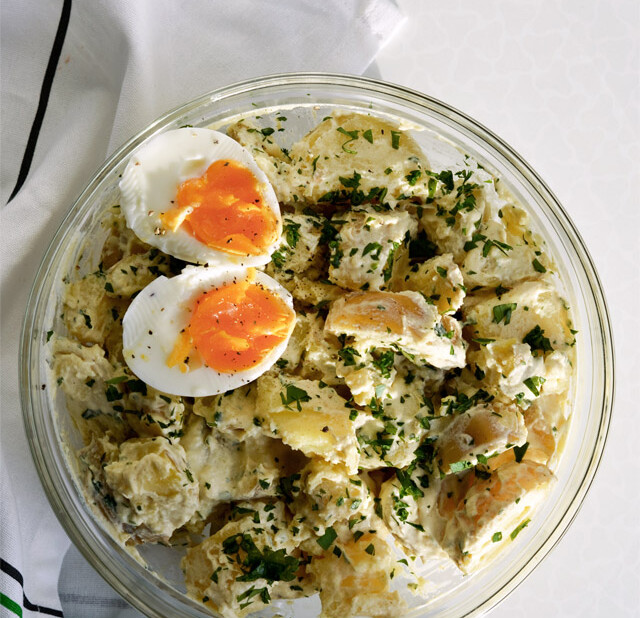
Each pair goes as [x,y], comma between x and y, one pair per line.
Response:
[151,180]
[160,311]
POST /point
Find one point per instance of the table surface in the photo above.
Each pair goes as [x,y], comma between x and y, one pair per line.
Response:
[559,81]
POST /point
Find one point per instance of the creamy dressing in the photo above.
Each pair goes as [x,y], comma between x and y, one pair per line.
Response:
[416,406]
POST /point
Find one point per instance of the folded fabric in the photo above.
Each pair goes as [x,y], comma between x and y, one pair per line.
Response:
[78,79]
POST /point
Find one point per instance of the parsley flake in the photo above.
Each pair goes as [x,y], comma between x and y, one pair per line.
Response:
[294,394]
[352,135]
[503,312]
[519,529]
[539,267]
[326,540]
[534,383]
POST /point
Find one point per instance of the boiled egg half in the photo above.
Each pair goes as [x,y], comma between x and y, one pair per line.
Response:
[207,330]
[198,195]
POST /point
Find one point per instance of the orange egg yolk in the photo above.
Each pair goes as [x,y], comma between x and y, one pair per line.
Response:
[233,328]
[225,210]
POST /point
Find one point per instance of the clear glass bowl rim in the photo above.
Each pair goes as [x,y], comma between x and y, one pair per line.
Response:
[43,457]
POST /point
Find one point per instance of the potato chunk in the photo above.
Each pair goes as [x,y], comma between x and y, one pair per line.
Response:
[299,244]
[87,309]
[364,251]
[249,561]
[231,470]
[399,319]
[480,431]
[519,311]
[83,372]
[134,272]
[439,279]
[501,268]
[330,494]
[231,413]
[354,581]
[484,513]
[506,365]
[158,414]
[308,417]
[153,488]
[409,500]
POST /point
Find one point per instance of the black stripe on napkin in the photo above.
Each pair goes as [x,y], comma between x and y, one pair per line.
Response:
[15,574]
[45,91]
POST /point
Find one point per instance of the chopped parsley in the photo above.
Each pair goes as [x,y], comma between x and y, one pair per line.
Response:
[265,597]
[351,183]
[374,248]
[497,537]
[446,178]
[459,466]
[384,363]
[260,564]
[336,253]
[534,383]
[348,356]
[489,244]
[503,312]
[352,135]
[460,402]
[287,487]
[483,340]
[112,393]
[408,485]
[537,341]
[519,529]
[278,259]
[387,271]
[87,319]
[413,177]
[116,380]
[294,395]
[519,451]
[539,267]
[137,386]
[291,232]
[326,540]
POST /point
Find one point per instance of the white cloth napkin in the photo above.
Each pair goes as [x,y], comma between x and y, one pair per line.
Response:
[78,79]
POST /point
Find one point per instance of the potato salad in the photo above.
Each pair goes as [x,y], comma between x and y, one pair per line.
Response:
[315,367]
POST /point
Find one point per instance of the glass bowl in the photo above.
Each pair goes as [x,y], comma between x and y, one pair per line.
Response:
[445,133]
